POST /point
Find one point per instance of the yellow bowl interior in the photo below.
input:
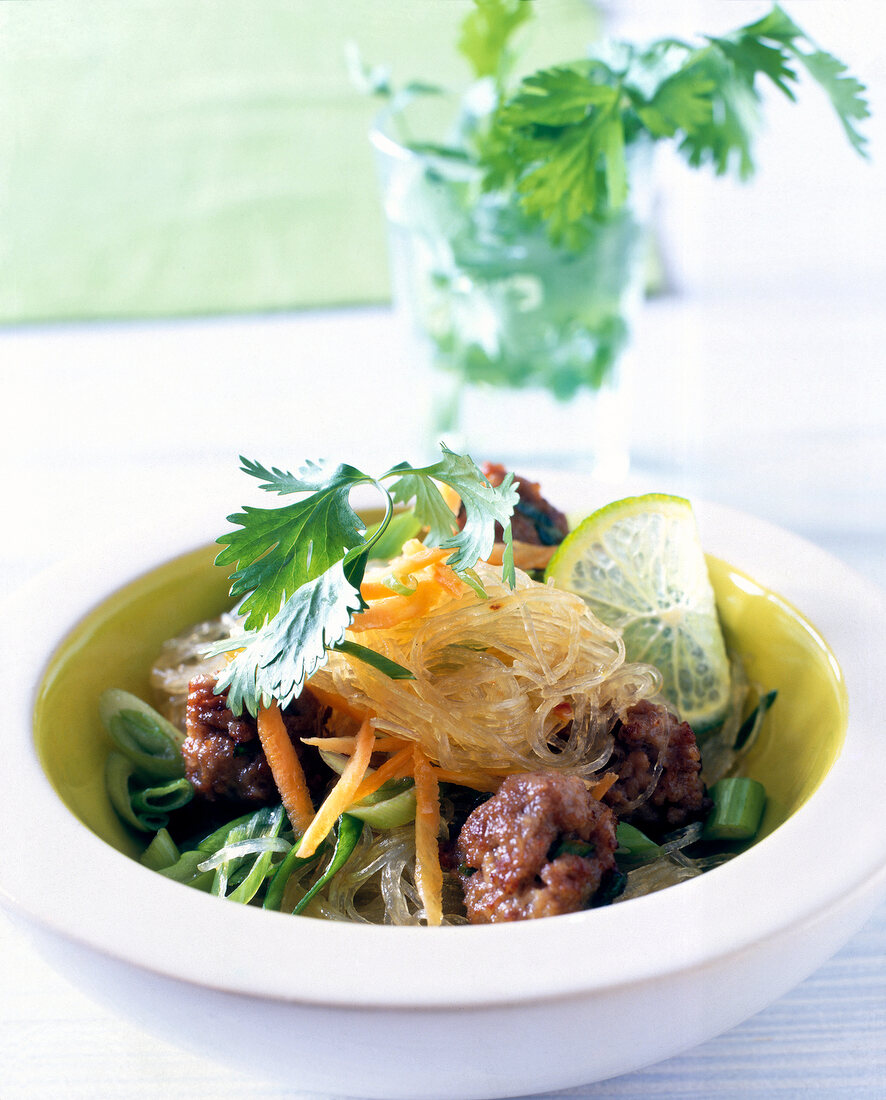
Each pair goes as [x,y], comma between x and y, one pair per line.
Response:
[115,645]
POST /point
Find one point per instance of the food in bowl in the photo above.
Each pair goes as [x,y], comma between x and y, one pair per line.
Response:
[166,955]
[395,731]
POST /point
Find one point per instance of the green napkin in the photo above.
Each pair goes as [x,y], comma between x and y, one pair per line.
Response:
[163,157]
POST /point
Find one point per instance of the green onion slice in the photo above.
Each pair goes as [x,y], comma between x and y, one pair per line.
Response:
[163,798]
[375,660]
[634,848]
[347,833]
[186,870]
[247,872]
[739,802]
[119,771]
[401,527]
[747,734]
[151,742]
[388,813]
[161,852]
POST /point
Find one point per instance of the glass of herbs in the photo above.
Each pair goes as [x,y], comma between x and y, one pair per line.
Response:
[519,216]
[518,324]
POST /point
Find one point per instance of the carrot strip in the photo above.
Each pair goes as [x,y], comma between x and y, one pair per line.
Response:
[346,745]
[285,767]
[602,785]
[453,500]
[418,557]
[372,589]
[428,873]
[395,767]
[396,609]
[447,578]
[342,794]
[337,702]
[466,779]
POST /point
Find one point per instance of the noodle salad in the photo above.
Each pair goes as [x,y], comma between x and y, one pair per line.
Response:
[407,724]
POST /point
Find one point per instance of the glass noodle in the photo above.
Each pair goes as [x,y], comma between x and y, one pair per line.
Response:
[520,681]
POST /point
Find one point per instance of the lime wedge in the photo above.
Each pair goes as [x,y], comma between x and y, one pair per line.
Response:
[638,563]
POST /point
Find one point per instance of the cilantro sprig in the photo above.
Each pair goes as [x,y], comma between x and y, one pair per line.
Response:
[297,568]
[560,139]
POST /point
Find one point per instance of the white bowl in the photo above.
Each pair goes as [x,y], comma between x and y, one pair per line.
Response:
[485,1011]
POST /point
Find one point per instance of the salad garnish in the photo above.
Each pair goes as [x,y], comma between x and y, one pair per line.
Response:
[298,567]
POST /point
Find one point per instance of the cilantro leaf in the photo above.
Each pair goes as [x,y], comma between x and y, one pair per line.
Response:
[845,92]
[276,661]
[299,566]
[279,549]
[683,101]
[559,141]
[484,504]
[749,56]
[560,96]
[724,139]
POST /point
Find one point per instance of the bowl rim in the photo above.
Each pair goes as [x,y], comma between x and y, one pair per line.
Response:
[149,921]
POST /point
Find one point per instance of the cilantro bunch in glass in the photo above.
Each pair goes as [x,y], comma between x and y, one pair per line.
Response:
[519,210]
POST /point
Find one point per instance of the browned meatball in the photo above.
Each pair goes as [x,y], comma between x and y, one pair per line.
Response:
[538,848]
[222,753]
[645,735]
[535,520]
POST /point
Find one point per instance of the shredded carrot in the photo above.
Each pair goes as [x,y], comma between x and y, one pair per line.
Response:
[372,589]
[417,556]
[453,500]
[602,785]
[384,614]
[395,767]
[476,782]
[447,578]
[285,767]
[337,702]
[342,794]
[346,745]
[428,873]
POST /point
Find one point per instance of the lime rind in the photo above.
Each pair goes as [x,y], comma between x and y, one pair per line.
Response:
[639,565]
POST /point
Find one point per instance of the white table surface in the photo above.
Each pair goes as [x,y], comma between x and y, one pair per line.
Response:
[777,411]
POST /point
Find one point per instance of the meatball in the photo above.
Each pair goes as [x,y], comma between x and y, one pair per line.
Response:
[535,520]
[222,753]
[540,847]
[645,736]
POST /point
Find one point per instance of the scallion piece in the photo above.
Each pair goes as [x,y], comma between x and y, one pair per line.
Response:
[218,837]
[347,833]
[739,802]
[292,861]
[161,852]
[747,734]
[375,660]
[163,798]
[387,790]
[634,848]
[388,813]
[186,870]
[247,873]
[119,770]
[141,734]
